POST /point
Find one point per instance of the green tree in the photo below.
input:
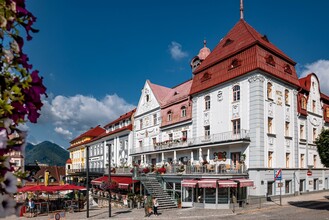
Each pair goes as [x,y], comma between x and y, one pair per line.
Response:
[322,143]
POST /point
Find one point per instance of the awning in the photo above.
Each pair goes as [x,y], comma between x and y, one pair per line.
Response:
[244,182]
[207,183]
[123,181]
[227,184]
[189,183]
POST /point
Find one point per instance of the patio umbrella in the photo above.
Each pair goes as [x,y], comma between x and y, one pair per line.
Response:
[70,187]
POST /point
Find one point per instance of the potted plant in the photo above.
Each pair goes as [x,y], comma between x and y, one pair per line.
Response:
[180,169]
[162,170]
[146,170]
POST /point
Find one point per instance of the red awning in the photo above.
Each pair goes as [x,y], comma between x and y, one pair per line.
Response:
[207,183]
[189,183]
[227,184]
[123,181]
[244,182]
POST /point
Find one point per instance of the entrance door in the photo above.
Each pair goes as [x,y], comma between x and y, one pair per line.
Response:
[235,157]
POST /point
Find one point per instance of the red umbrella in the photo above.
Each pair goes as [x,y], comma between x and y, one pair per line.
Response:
[35,188]
[70,187]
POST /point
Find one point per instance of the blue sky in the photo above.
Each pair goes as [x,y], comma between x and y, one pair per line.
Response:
[96,55]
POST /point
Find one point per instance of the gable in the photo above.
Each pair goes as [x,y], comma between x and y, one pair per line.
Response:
[147,101]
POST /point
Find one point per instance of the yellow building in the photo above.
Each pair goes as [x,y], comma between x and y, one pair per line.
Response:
[77,151]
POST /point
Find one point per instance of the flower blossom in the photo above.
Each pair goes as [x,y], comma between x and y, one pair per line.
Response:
[10,183]
[3,139]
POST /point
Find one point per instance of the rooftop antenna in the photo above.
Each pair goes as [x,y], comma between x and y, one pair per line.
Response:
[241,9]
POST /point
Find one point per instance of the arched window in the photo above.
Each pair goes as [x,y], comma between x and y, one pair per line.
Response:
[207,102]
[269,91]
[236,93]
[303,103]
[286,96]
[183,111]
[169,116]
[147,98]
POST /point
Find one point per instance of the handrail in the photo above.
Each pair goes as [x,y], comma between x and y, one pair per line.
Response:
[177,143]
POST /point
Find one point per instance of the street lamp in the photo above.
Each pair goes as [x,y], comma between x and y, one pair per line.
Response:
[87,177]
[109,178]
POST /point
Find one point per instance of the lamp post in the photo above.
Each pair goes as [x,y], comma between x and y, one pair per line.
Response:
[109,178]
[87,177]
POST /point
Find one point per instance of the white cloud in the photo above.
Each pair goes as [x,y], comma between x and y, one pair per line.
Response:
[176,51]
[321,69]
[71,116]
[64,132]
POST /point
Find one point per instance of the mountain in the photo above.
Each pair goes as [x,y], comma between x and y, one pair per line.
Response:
[46,152]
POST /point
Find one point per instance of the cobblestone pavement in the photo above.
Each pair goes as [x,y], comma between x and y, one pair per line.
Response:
[194,213]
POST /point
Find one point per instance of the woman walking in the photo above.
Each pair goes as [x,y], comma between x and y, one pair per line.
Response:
[155,206]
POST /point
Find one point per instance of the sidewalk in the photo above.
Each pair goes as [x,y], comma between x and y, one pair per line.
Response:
[185,213]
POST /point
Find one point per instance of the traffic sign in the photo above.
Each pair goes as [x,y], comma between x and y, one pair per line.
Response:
[309,173]
[278,174]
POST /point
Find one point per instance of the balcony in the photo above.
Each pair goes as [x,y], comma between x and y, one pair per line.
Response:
[203,140]
[101,170]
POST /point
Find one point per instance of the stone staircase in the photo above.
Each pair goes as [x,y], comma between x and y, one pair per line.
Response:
[155,189]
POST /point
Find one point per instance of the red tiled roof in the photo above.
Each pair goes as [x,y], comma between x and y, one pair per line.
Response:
[122,117]
[69,160]
[160,92]
[250,48]
[54,171]
[92,133]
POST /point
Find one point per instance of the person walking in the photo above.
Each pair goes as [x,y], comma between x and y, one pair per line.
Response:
[146,207]
[155,206]
[31,205]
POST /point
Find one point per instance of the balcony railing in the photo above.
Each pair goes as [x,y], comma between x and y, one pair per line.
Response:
[180,143]
[118,170]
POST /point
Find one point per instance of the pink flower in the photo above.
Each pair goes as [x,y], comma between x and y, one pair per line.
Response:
[10,183]
[3,139]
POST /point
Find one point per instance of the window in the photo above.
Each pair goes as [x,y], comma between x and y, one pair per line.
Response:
[184,135]
[314,106]
[141,123]
[169,116]
[287,160]
[287,69]
[287,129]
[327,112]
[140,143]
[269,91]
[154,140]
[236,93]
[286,96]
[269,125]
[314,134]
[302,157]
[270,60]
[155,119]
[183,111]
[301,131]
[147,98]
[170,137]
[270,159]
[235,63]
[287,186]
[207,102]
[207,132]
[236,126]
[314,161]
[303,103]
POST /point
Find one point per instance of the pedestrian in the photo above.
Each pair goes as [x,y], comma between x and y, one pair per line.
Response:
[155,206]
[31,205]
[146,206]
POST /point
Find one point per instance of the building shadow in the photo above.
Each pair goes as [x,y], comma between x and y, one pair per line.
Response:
[316,205]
